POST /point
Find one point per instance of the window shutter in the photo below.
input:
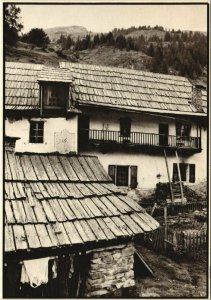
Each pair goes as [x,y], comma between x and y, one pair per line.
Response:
[192,170]
[111,172]
[133,179]
[175,177]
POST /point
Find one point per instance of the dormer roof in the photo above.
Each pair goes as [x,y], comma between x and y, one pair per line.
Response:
[50,74]
[22,84]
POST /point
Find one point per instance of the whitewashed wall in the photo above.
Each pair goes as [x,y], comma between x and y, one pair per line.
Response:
[140,122]
[200,159]
[149,165]
[60,134]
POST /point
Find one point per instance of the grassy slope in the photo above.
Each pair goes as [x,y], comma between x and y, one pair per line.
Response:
[186,278]
[103,55]
[106,56]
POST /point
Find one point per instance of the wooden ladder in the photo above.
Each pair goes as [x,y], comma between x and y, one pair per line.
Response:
[180,180]
[173,187]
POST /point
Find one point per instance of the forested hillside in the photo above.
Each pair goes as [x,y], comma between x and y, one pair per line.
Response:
[183,53]
[146,48]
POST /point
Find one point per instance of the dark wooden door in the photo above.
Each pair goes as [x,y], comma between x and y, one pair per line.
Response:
[83,130]
[163,134]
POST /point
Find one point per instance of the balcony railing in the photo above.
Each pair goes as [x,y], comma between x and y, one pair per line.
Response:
[138,138]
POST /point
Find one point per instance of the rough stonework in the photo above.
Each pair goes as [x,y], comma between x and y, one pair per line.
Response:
[197,99]
[110,269]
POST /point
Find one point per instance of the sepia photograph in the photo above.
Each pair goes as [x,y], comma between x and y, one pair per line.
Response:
[105,149]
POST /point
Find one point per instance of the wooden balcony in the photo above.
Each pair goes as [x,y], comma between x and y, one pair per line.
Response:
[138,140]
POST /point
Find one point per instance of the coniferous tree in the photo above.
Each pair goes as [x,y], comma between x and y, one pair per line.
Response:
[150,50]
[38,37]
[110,39]
[120,42]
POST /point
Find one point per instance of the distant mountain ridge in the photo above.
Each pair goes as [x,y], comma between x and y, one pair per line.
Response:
[54,33]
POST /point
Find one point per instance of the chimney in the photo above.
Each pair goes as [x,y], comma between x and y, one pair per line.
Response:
[9,143]
[197,97]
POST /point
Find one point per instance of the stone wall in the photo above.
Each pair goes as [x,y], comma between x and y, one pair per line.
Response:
[111,269]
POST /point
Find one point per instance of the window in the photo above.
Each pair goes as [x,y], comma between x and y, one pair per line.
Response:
[55,95]
[125,125]
[192,173]
[187,172]
[183,171]
[123,175]
[183,130]
[36,132]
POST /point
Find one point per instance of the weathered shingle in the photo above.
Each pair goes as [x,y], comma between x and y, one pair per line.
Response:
[101,86]
[21,86]
[54,75]
[56,200]
[130,89]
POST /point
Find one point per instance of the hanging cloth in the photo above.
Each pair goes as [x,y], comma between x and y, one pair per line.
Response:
[35,272]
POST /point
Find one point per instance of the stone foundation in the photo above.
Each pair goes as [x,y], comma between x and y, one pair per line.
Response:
[111,269]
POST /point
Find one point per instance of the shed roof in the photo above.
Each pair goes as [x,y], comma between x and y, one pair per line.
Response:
[130,89]
[63,201]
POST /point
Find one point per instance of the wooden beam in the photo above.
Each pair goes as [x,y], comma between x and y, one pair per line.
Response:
[165,225]
[170,184]
[179,174]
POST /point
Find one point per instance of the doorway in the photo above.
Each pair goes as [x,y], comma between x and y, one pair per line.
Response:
[163,134]
[83,130]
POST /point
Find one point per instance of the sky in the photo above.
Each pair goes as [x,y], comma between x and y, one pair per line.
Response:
[103,18]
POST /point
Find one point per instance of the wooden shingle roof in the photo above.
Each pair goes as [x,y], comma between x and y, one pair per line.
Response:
[63,201]
[21,86]
[130,89]
[54,75]
[22,83]
[101,86]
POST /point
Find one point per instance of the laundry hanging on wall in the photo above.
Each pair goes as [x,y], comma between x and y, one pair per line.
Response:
[35,272]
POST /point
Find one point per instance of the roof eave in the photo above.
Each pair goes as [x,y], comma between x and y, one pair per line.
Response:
[143,109]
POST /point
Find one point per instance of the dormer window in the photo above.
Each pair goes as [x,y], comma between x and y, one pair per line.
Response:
[55,95]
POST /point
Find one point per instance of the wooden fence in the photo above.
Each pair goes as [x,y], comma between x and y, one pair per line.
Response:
[177,242]
[174,209]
